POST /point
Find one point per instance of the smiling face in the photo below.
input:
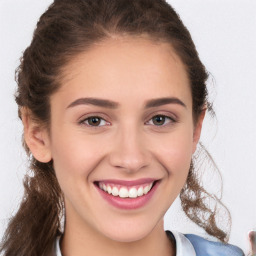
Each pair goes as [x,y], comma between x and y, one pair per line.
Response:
[122,137]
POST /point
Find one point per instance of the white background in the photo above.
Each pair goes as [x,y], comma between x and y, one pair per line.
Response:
[225,35]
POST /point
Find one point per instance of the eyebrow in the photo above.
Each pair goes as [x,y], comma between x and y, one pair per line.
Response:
[164,101]
[113,105]
[95,102]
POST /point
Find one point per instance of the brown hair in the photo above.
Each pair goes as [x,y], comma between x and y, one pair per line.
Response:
[66,29]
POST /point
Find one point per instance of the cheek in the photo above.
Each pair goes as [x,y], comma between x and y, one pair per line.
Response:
[175,153]
[74,156]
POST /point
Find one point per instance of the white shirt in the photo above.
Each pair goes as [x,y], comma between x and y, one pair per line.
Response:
[183,245]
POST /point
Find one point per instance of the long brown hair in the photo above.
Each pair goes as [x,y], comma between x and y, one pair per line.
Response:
[66,29]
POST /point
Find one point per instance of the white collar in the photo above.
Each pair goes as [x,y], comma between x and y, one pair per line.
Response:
[183,245]
[57,247]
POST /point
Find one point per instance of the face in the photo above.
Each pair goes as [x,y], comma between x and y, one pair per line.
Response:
[122,136]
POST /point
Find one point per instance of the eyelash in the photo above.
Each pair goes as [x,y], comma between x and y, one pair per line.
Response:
[171,121]
[85,121]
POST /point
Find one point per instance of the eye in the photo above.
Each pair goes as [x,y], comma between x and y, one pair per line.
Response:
[160,120]
[94,121]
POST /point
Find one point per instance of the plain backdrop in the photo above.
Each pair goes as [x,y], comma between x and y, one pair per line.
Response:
[225,35]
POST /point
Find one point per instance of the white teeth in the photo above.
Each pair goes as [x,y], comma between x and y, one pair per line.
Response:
[115,191]
[109,189]
[147,188]
[133,193]
[125,192]
[140,191]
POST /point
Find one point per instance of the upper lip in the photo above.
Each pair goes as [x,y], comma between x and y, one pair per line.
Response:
[128,182]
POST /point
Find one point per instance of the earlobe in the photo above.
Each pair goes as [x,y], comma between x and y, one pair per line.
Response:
[198,128]
[36,137]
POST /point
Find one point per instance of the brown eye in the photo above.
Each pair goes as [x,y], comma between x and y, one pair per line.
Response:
[159,120]
[94,121]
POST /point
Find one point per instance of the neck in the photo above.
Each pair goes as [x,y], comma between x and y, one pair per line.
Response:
[80,241]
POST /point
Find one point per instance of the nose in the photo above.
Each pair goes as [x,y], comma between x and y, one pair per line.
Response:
[129,151]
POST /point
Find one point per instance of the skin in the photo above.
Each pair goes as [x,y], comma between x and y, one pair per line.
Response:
[127,144]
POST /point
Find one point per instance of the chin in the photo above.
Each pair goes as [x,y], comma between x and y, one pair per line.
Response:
[127,232]
[127,237]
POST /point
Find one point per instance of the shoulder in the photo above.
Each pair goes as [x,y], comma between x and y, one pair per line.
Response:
[205,247]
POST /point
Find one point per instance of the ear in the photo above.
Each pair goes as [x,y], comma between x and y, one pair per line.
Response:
[36,137]
[197,129]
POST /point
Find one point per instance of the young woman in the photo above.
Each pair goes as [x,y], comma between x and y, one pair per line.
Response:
[112,96]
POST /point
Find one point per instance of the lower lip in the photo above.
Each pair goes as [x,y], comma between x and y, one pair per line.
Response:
[128,203]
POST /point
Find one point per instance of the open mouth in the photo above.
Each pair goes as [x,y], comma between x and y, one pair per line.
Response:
[122,191]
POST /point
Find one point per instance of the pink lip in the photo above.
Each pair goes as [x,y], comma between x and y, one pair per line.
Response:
[128,203]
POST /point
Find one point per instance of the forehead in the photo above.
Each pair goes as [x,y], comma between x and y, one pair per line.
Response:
[126,67]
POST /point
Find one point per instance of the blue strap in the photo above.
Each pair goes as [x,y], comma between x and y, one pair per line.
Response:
[205,247]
